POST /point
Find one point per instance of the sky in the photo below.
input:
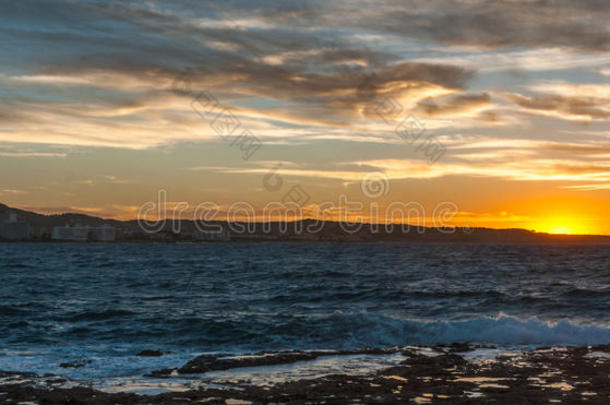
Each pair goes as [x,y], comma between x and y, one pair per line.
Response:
[501,109]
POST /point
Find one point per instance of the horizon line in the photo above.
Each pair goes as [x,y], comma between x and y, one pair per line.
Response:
[316,219]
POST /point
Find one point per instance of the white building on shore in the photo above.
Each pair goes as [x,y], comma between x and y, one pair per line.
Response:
[83,233]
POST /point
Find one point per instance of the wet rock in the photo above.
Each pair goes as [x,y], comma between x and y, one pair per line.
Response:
[163,373]
[460,347]
[75,364]
[205,363]
[558,375]
[150,353]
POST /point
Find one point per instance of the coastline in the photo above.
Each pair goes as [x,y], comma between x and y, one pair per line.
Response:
[448,374]
[80,228]
[587,240]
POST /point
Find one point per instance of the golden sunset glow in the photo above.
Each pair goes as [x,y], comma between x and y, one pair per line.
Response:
[563,226]
[560,230]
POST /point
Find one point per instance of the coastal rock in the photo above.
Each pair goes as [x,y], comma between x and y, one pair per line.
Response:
[205,363]
[557,375]
[150,353]
[75,364]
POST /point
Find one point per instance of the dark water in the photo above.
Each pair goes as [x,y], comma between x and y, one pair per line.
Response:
[65,301]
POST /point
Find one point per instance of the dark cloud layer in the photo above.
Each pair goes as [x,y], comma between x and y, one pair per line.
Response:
[249,48]
[308,57]
[580,25]
[181,32]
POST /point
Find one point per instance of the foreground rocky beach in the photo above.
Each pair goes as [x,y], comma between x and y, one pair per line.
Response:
[456,374]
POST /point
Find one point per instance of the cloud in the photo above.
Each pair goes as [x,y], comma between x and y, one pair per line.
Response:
[31,154]
[289,64]
[579,25]
[524,170]
[519,60]
[138,115]
[564,107]
[12,191]
[243,49]
[484,165]
[100,73]
[602,148]
[456,105]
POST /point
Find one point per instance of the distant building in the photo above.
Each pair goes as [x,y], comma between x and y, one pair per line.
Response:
[11,228]
[80,233]
[72,233]
[104,233]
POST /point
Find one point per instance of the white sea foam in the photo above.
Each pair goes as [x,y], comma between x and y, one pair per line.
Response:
[506,330]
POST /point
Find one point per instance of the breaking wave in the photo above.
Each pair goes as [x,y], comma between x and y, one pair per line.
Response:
[505,330]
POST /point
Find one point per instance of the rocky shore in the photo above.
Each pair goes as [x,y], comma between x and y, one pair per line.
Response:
[456,374]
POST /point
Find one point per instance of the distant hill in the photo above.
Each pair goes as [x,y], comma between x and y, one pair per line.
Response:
[42,226]
[49,221]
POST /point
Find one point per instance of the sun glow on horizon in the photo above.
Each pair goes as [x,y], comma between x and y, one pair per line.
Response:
[560,230]
[562,226]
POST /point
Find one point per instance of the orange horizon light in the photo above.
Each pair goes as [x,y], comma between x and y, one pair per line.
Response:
[564,225]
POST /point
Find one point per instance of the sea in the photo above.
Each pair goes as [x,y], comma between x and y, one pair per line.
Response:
[85,310]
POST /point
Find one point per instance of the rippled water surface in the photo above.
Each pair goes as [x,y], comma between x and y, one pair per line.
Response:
[102,303]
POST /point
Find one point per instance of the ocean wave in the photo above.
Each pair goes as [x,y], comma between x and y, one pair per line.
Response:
[365,330]
[505,330]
